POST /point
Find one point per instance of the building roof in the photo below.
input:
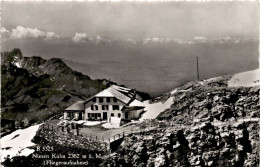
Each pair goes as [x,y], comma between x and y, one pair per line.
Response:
[136,102]
[113,91]
[121,89]
[132,108]
[79,105]
[105,93]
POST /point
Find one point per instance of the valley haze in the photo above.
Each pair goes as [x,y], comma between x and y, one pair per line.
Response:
[154,68]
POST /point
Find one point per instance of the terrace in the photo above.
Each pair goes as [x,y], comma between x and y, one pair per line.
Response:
[96,131]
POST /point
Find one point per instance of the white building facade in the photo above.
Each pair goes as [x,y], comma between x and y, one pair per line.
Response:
[114,101]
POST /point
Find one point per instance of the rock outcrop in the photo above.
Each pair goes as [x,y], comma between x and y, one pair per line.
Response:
[204,145]
[211,100]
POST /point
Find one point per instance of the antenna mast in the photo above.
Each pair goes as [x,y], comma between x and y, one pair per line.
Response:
[198,73]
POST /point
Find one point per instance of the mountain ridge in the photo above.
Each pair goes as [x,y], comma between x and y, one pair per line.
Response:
[34,88]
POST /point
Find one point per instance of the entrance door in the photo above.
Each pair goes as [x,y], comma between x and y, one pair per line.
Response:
[126,115]
[104,115]
[80,116]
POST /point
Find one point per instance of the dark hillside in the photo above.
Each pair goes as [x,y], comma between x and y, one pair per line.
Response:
[34,88]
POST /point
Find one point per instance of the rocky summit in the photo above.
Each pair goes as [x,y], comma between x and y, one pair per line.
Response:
[208,124]
[211,100]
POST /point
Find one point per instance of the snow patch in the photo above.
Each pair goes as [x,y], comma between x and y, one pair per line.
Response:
[17,142]
[17,65]
[26,152]
[211,79]
[246,79]
[79,122]
[111,126]
[114,122]
[92,123]
[154,109]
[174,91]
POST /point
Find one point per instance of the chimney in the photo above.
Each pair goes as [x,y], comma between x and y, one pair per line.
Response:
[133,97]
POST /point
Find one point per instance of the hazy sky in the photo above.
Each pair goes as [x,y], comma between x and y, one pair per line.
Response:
[148,46]
[135,20]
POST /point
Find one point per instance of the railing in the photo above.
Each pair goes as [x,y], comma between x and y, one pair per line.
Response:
[132,131]
[68,134]
[111,139]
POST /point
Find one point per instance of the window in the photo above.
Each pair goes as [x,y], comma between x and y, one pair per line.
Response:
[112,114]
[90,115]
[97,115]
[94,99]
[105,107]
[119,115]
[94,107]
[70,114]
[101,100]
[115,107]
[108,99]
[115,100]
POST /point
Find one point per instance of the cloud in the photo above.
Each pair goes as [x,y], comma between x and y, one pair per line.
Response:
[50,35]
[100,39]
[4,30]
[190,42]
[167,40]
[200,39]
[25,32]
[80,37]
[228,38]
[83,37]
[237,41]
[195,40]
[157,40]
[181,41]
[131,41]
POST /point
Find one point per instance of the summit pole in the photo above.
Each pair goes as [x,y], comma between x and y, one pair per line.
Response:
[198,73]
